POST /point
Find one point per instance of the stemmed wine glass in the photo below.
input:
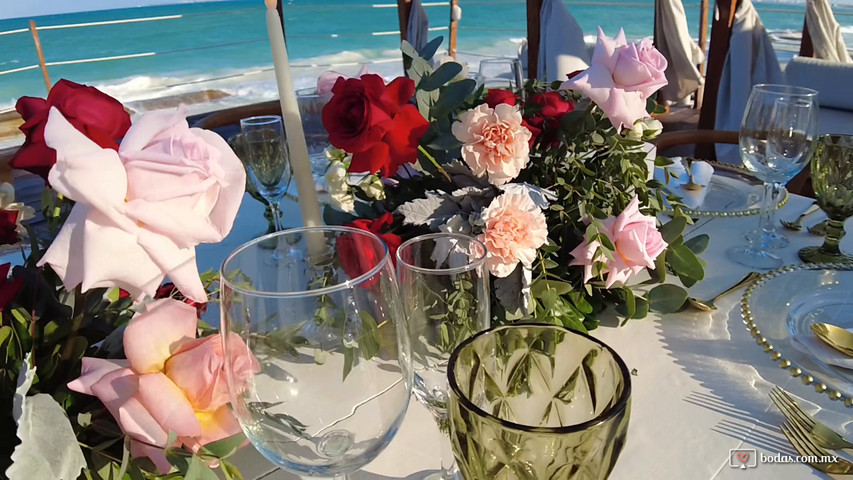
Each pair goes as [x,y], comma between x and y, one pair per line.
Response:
[832,179]
[267,159]
[445,289]
[333,375]
[500,73]
[776,141]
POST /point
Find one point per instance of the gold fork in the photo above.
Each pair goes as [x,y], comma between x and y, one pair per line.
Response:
[816,456]
[822,435]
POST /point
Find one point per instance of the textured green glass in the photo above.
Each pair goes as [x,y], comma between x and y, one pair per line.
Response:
[832,180]
[537,402]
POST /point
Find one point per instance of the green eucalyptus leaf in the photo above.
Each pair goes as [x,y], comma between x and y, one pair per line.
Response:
[673,229]
[428,50]
[684,262]
[698,244]
[452,96]
[540,286]
[349,360]
[199,470]
[225,447]
[667,298]
[369,341]
[443,74]
[408,50]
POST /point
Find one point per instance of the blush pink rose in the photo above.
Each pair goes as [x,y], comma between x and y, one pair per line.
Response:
[170,381]
[636,239]
[514,229]
[167,189]
[495,143]
[621,78]
[327,80]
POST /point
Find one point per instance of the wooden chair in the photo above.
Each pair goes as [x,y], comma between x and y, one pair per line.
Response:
[801,184]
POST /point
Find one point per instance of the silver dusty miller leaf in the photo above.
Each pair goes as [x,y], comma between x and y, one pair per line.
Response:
[433,211]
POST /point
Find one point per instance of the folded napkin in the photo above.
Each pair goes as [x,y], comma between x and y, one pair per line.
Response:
[701,172]
[809,344]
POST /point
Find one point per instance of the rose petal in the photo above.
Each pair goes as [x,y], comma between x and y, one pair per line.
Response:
[92,371]
[168,405]
[153,335]
[117,390]
[155,454]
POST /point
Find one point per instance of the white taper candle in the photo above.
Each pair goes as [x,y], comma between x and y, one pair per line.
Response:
[308,204]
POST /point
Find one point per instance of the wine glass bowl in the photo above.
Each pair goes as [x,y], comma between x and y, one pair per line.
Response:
[537,399]
[332,345]
[503,73]
[444,284]
[267,158]
[776,141]
[832,180]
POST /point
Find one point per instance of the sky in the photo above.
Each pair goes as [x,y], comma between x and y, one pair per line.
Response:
[33,8]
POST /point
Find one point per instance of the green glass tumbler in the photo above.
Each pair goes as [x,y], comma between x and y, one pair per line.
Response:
[832,179]
[532,401]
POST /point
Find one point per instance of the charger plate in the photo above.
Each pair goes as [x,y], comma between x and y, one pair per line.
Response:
[732,192]
[785,302]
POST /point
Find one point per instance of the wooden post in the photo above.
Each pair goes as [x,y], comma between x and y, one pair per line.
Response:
[721,32]
[534,7]
[454,27]
[42,63]
[806,45]
[404,10]
[703,46]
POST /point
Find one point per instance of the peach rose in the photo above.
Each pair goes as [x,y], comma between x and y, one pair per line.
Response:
[514,229]
[167,189]
[621,78]
[637,240]
[170,381]
[494,142]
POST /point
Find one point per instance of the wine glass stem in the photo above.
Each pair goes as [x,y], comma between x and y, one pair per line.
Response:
[768,214]
[834,233]
[276,215]
[449,469]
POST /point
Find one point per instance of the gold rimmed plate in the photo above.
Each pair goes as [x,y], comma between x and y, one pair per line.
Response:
[779,310]
[732,192]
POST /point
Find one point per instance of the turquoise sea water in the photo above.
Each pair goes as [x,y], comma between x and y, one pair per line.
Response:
[215,45]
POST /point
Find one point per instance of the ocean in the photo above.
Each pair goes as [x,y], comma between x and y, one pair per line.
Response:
[223,45]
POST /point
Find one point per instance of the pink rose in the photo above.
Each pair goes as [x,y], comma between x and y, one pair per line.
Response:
[170,381]
[327,80]
[141,211]
[637,240]
[494,141]
[621,78]
[514,229]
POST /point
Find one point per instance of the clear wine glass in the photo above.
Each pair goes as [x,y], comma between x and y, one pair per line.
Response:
[776,141]
[500,73]
[332,344]
[445,288]
[267,159]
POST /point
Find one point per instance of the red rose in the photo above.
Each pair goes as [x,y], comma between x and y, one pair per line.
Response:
[168,290]
[358,254]
[9,287]
[554,106]
[496,96]
[94,113]
[8,227]
[375,123]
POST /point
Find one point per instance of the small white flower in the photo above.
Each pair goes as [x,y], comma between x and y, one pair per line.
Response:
[344,202]
[373,187]
[334,154]
[645,129]
[336,174]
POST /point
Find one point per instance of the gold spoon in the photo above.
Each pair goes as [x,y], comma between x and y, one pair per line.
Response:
[834,336]
[708,305]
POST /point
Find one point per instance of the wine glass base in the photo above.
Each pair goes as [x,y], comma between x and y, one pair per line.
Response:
[757,259]
[774,239]
[441,476]
[818,255]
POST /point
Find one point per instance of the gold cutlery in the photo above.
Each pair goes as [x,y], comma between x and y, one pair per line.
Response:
[834,336]
[797,224]
[820,433]
[818,228]
[817,457]
[708,305]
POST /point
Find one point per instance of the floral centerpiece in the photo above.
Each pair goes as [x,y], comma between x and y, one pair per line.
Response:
[107,372]
[554,179]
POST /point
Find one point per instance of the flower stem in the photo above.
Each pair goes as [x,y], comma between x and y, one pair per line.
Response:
[434,162]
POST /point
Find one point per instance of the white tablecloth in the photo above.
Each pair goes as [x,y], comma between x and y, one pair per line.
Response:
[700,388]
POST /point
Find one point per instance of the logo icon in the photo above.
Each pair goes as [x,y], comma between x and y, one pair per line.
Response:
[743,458]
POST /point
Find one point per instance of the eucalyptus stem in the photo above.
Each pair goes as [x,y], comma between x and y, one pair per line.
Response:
[435,163]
